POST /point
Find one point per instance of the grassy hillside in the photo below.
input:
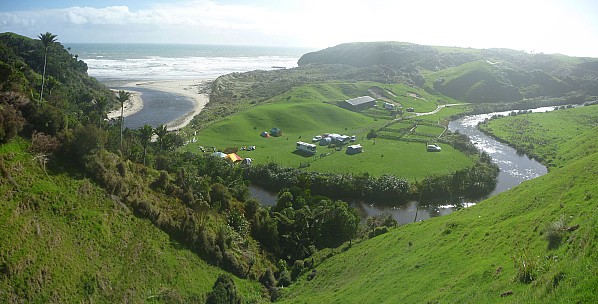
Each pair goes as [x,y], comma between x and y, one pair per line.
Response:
[67,240]
[470,75]
[533,244]
[311,110]
[474,82]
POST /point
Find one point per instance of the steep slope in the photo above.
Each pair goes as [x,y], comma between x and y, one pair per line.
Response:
[535,243]
[67,240]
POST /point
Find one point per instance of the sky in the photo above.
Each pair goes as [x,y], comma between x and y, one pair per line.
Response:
[568,27]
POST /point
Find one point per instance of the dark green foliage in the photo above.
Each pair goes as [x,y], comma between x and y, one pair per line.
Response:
[220,196]
[297,270]
[224,291]
[284,279]
[378,231]
[11,122]
[267,278]
[86,140]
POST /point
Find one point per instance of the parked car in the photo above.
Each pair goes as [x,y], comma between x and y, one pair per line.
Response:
[433,148]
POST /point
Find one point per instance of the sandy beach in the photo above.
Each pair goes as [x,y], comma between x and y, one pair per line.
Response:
[132,106]
[195,89]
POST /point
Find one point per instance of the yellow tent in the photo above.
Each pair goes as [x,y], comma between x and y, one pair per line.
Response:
[233,157]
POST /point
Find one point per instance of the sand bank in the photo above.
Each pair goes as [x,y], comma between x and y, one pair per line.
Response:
[132,106]
[197,90]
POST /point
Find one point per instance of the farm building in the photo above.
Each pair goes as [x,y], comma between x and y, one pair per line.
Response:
[354,149]
[359,103]
[305,147]
[276,132]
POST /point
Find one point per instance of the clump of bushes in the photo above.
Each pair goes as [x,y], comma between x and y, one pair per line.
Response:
[555,232]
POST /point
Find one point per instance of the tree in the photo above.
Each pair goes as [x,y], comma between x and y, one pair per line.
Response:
[122,97]
[47,39]
[101,104]
[145,135]
[161,132]
[224,291]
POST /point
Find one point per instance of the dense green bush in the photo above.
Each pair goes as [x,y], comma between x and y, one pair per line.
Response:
[224,291]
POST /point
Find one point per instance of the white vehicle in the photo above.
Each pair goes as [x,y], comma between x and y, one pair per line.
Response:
[305,147]
[433,148]
[316,138]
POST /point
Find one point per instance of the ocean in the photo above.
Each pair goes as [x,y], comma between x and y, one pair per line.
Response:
[115,65]
[112,61]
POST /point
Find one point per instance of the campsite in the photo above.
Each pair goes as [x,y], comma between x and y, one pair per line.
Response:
[310,111]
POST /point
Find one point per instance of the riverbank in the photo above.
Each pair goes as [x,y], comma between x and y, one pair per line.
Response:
[196,90]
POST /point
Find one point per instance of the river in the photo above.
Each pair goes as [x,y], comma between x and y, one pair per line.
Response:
[514,169]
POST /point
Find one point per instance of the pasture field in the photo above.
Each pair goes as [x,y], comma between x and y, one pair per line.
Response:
[432,130]
[403,159]
[311,110]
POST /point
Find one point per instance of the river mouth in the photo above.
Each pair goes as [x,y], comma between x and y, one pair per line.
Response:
[514,169]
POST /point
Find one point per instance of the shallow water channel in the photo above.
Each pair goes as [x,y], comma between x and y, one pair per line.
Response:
[159,108]
[514,169]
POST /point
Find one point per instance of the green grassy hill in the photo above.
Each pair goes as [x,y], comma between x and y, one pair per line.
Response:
[470,75]
[533,244]
[311,110]
[474,82]
[67,240]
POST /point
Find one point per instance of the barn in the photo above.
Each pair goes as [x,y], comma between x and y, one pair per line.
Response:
[359,103]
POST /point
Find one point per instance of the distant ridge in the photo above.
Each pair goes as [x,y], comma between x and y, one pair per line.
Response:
[472,75]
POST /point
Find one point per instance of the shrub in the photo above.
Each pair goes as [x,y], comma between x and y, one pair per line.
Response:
[378,231]
[42,143]
[11,122]
[526,267]
[555,232]
[224,291]
[284,279]
[267,278]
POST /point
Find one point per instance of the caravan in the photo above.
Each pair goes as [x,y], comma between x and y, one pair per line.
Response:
[305,147]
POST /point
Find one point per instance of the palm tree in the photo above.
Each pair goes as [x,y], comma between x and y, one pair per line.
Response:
[161,131]
[47,39]
[145,134]
[101,104]
[123,97]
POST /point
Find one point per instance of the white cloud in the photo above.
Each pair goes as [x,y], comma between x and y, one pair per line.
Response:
[523,25]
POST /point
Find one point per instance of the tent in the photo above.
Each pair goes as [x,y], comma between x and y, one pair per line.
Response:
[218,154]
[276,132]
[233,157]
[265,134]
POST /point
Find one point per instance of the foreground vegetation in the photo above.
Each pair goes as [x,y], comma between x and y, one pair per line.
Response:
[65,239]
